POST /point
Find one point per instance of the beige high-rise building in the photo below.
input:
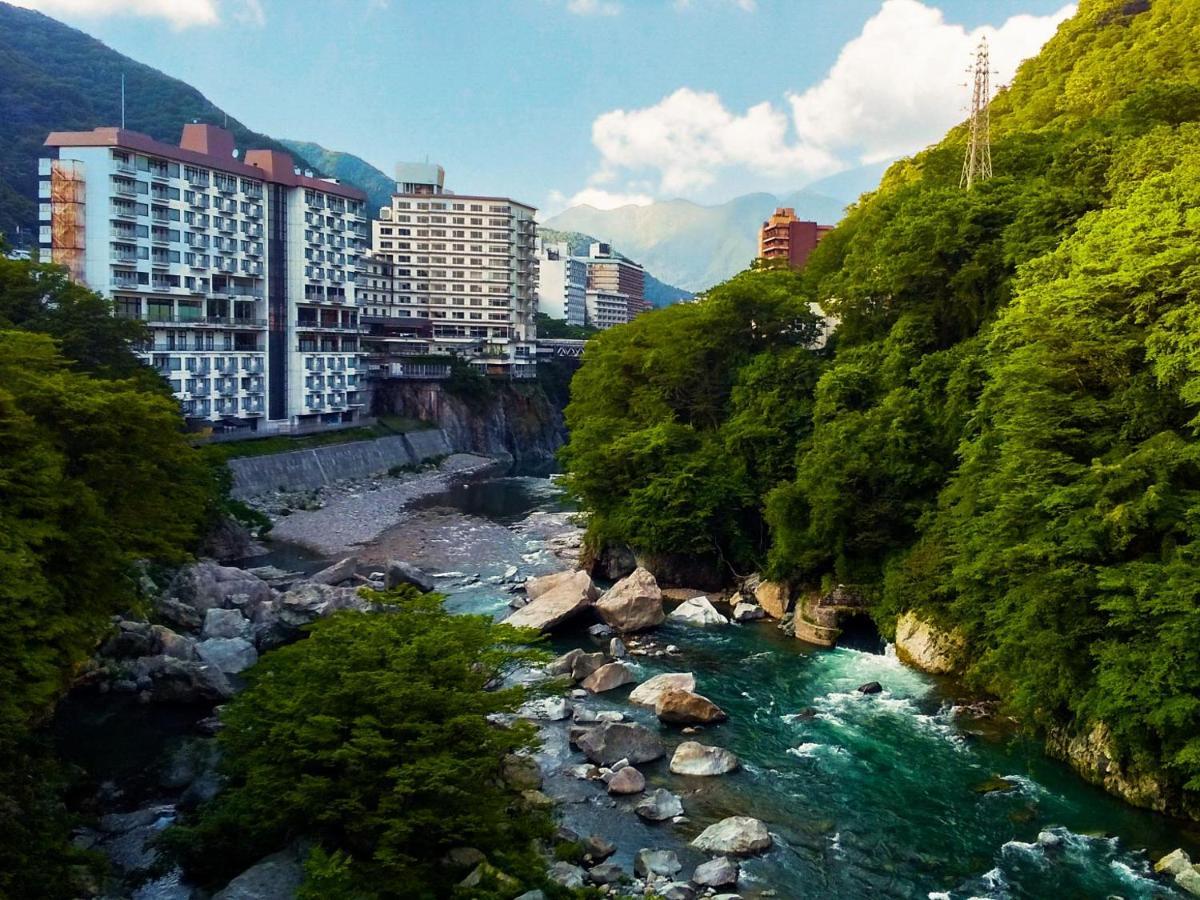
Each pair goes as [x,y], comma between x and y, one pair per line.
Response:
[465,263]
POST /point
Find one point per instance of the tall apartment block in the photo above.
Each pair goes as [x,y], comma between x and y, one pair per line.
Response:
[466,264]
[242,269]
[562,284]
[616,287]
[784,237]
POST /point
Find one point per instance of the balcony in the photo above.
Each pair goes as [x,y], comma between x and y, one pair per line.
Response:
[123,210]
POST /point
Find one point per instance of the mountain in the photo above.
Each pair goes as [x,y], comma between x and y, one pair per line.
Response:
[56,78]
[348,168]
[657,292]
[688,244]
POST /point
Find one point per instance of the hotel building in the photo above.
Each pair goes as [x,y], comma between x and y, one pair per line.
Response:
[562,284]
[784,237]
[465,264]
[243,269]
[616,287]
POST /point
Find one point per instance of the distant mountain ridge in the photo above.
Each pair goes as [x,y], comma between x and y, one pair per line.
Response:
[348,168]
[692,245]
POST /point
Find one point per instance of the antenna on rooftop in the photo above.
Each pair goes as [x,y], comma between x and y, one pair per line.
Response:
[977,164]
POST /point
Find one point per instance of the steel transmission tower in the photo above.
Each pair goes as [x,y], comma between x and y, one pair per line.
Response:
[977,165]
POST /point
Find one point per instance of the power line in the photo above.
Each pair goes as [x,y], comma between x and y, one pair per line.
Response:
[977,164]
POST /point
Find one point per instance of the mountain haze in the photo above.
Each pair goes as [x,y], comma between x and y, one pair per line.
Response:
[691,245]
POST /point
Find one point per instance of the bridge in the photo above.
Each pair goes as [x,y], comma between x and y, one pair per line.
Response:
[560,348]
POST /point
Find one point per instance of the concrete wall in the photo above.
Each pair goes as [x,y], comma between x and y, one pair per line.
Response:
[311,469]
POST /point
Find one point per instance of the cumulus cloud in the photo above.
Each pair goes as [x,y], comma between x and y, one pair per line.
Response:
[593,7]
[179,13]
[894,88]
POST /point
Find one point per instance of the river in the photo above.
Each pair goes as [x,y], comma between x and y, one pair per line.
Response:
[873,796]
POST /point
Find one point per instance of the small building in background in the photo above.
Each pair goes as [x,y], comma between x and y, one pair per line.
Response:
[784,237]
[562,284]
[616,287]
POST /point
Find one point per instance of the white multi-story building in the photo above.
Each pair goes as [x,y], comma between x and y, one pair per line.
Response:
[465,263]
[562,283]
[242,269]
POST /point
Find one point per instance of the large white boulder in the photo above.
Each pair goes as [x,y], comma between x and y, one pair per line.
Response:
[561,603]
[694,758]
[734,836]
[698,611]
[648,692]
[633,604]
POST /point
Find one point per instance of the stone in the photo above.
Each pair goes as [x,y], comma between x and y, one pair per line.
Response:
[600,630]
[183,681]
[228,655]
[486,870]
[658,806]
[608,677]
[563,664]
[627,781]
[617,649]
[342,570]
[399,572]
[610,741]
[676,890]
[225,623]
[597,848]
[698,611]
[632,604]
[587,663]
[648,692]
[747,612]
[531,895]
[521,772]
[774,598]
[585,716]
[536,800]
[1189,880]
[557,605]
[925,646]
[735,836]
[719,872]
[656,862]
[543,584]
[614,562]
[182,616]
[546,709]
[606,873]
[207,585]
[871,687]
[1173,863]
[131,639]
[694,758]
[566,874]
[170,643]
[687,708]
[306,603]
[463,858]
[276,877]
[230,540]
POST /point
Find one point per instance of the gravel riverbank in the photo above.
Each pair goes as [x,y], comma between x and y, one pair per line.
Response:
[340,518]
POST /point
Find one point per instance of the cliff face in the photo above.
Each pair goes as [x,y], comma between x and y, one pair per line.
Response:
[518,420]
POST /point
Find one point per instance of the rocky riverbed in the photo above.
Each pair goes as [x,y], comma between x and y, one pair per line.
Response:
[866,777]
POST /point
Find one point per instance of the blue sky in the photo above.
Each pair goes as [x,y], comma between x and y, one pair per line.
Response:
[601,101]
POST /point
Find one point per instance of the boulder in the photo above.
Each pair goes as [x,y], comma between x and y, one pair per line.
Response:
[342,570]
[587,663]
[131,639]
[614,562]
[719,872]
[658,806]
[687,708]
[531,895]
[399,572]
[693,758]
[543,584]
[566,874]
[648,692]
[463,858]
[521,773]
[627,781]
[182,681]
[546,709]
[871,687]
[170,643]
[1189,880]
[557,605]
[597,848]
[664,863]
[486,870]
[925,646]
[608,677]
[676,890]
[698,611]
[606,873]
[747,612]
[600,630]
[774,598]
[207,585]
[180,615]
[608,742]
[617,649]
[225,623]
[632,604]
[1173,863]
[228,655]
[276,877]
[229,540]
[562,665]
[734,836]
[302,606]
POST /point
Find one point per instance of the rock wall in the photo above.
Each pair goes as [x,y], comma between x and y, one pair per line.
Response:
[925,646]
[518,420]
[311,469]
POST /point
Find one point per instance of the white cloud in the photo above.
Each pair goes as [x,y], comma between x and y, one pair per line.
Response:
[894,88]
[179,13]
[593,7]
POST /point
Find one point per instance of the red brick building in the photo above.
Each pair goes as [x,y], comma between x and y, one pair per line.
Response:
[783,236]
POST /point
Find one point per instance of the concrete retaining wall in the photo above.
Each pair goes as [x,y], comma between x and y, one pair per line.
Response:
[311,469]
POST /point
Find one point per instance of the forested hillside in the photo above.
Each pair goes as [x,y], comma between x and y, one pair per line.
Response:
[55,78]
[1002,434]
[349,168]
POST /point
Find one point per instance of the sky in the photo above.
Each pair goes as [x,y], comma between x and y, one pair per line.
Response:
[607,102]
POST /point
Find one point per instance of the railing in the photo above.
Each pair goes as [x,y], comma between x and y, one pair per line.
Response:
[239,321]
[422,371]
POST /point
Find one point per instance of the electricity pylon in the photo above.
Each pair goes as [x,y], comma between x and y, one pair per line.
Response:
[977,165]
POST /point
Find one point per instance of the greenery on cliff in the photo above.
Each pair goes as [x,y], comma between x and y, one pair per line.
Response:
[1003,433]
[95,474]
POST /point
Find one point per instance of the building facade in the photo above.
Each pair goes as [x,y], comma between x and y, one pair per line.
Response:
[616,287]
[465,264]
[243,269]
[562,284]
[784,237]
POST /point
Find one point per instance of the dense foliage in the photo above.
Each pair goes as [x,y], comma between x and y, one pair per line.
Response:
[95,474]
[369,740]
[1004,432]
